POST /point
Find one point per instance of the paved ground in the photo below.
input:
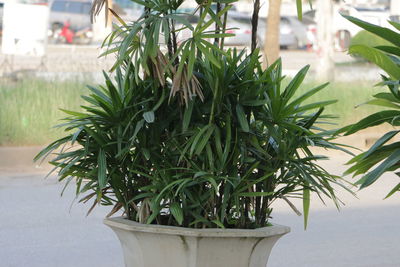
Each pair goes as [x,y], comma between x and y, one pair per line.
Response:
[38,228]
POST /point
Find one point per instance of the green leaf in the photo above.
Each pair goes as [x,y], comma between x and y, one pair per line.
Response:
[382,103]
[177,212]
[372,176]
[228,139]
[187,116]
[242,118]
[192,58]
[218,144]
[256,194]
[364,165]
[181,20]
[149,116]
[255,103]
[102,167]
[306,205]
[100,140]
[160,101]
[168,187]
[204,140]
[389,49]
[218,223]
[295,83]
[209,55]
[395,24]
[51,147]
[306,95]
[377,57]
[74,113]
[387,96]
[196,140]
[216,35]
[146,153]
[381,141]
[299,9]
[394,190]
[214,17]
[373,120]
[315,105]
[383,32]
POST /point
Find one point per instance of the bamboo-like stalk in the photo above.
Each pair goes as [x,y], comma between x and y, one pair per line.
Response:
[224,28]
[254,25]
[169,44]
[217,28]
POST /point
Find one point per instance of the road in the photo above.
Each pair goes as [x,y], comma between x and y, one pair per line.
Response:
[39,228]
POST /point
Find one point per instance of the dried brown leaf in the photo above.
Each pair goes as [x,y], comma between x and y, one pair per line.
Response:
[115,209]
[87,198]
[92,207]
[115,14]
[144,211]
[97,6]
[291,205]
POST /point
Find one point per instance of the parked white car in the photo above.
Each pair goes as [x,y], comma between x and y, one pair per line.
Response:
[343,29]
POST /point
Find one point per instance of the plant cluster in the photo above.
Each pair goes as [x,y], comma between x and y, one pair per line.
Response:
[384,155]
[194,135]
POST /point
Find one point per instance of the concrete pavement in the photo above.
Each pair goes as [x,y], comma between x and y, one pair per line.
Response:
[38,228]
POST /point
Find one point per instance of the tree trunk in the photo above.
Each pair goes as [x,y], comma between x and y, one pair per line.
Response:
[271,46]
[324,17]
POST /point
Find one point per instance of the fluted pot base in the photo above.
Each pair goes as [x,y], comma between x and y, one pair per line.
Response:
[157,245]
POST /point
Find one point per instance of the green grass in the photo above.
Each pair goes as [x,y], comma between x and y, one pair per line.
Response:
[349,95]
[29,109]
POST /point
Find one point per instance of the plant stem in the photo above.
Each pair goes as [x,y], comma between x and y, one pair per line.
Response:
[169,44]
[254,25]
[258,204]
[217,29]
[174,42]
[216,92]
[224,29]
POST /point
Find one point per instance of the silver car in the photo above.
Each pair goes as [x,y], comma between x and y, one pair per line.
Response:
[293,33]
[241,30]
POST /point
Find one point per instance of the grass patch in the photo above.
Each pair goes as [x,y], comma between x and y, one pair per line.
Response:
[349,95]
[30,108]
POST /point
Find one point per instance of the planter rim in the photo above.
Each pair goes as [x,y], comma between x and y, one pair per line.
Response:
[128,225]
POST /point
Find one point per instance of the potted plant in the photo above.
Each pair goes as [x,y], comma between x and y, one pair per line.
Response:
[384,155]
[193,143]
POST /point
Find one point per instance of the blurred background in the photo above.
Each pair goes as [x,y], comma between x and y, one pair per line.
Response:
[50,52]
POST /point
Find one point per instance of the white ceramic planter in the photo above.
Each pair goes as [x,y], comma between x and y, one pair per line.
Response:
[166,246]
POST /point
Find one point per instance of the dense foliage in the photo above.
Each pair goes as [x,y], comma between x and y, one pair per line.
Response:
[194,135]
[384,155]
